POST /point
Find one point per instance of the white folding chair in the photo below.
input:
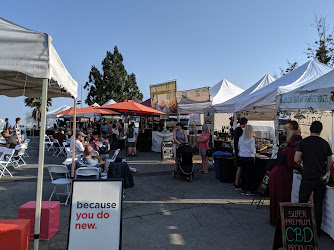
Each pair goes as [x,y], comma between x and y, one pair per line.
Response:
[68,152]
[2,149]
[26,142]
[48,143]
[5,160]
[87,172]
[113,158]
[61,181]
[60,149]
[18,155]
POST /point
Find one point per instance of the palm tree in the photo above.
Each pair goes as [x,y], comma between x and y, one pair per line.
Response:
[36,103]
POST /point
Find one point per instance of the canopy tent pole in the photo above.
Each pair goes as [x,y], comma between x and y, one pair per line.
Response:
[73,137]
[40,165]
[178,114]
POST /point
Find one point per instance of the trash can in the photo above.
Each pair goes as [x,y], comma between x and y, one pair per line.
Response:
[226,169]
[217,156]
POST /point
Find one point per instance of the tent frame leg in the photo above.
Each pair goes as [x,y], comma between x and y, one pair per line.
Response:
[40,165]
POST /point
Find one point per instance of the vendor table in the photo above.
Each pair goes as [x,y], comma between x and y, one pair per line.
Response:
[328,207]
[158,137]
[14,234]
[49,217]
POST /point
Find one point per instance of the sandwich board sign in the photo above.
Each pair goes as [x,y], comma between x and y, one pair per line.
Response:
[96,215]
[296,227]
[166,150]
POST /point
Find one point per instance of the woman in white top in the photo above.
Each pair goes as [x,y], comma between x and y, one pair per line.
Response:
[246,158]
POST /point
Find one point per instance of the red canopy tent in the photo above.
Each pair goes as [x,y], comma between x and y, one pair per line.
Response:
[87,110]
[132,107]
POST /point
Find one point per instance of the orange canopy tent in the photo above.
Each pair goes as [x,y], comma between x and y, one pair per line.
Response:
[88,110]
[132,107]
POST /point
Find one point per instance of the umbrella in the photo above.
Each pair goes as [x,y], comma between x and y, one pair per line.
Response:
[88,111]
[132,107]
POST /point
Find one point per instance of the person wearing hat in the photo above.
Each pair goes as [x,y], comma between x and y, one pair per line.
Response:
[280,177]
[79,147]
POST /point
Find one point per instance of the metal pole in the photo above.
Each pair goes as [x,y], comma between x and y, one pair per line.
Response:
[332,129]
[73,137]
[178,114]
[40,165]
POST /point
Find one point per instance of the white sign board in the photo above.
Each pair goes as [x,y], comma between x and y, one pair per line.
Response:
[96,213]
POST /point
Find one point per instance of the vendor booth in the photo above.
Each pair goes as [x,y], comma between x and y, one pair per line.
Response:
[312,99]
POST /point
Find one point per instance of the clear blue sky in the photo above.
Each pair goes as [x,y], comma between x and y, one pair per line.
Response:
[196,42]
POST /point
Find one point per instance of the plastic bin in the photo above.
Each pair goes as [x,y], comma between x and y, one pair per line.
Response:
[226,169]
[217,156]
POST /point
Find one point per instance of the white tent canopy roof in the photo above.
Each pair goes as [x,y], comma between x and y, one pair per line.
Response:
[111,101]
[316,95]
[28,57]
[221,92]
[50,114]
[229,106]
[264,100]
[95,104]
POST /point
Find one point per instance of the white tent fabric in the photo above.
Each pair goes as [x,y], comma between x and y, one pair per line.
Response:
[229,106]
[316,95]
[27,57]
[50,114]
[95,105]
[221,92]
[264,100]
[111,101]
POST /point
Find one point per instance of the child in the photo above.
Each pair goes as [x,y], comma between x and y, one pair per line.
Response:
[95,143]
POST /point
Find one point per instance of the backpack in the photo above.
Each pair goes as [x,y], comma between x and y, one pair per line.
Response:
[131,133]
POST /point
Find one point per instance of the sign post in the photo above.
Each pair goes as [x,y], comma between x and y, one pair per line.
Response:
[96,214]
[296,227]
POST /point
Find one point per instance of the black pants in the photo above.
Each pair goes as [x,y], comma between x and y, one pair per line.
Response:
[247,173]
[318,186]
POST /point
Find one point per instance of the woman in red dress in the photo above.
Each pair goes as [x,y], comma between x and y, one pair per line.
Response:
[280,178]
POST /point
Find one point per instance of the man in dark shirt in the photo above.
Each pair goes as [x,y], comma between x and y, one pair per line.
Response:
[59,136]
[236,135]
[11,141]
[316,155]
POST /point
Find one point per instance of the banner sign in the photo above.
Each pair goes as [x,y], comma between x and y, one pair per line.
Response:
[196,95]
[318,99]
[163,97]
[96,212]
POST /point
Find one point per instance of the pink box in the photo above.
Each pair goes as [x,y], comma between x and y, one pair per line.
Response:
[49,218]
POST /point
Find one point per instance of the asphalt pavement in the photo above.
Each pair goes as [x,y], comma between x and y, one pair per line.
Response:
[159,212]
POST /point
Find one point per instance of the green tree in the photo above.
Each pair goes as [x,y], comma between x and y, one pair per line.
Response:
[36,103]
[323,47]
[113,83]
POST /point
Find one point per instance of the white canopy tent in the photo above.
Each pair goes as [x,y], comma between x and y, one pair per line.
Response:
[50,114]
[31,67]
[221,92]
[314,97]
[229,106]
[111,101]
[264,100]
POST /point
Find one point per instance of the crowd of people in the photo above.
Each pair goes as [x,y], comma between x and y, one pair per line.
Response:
[12,135]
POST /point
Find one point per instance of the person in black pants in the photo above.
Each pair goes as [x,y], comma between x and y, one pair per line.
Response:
[236,135]
[316,155]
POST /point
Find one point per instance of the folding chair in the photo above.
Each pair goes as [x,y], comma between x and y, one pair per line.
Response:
[55,170]
[68,152]
[18,155]
[113,158]
[60,149]
[26,142]
[5,160]
[87,173]
[48,143]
